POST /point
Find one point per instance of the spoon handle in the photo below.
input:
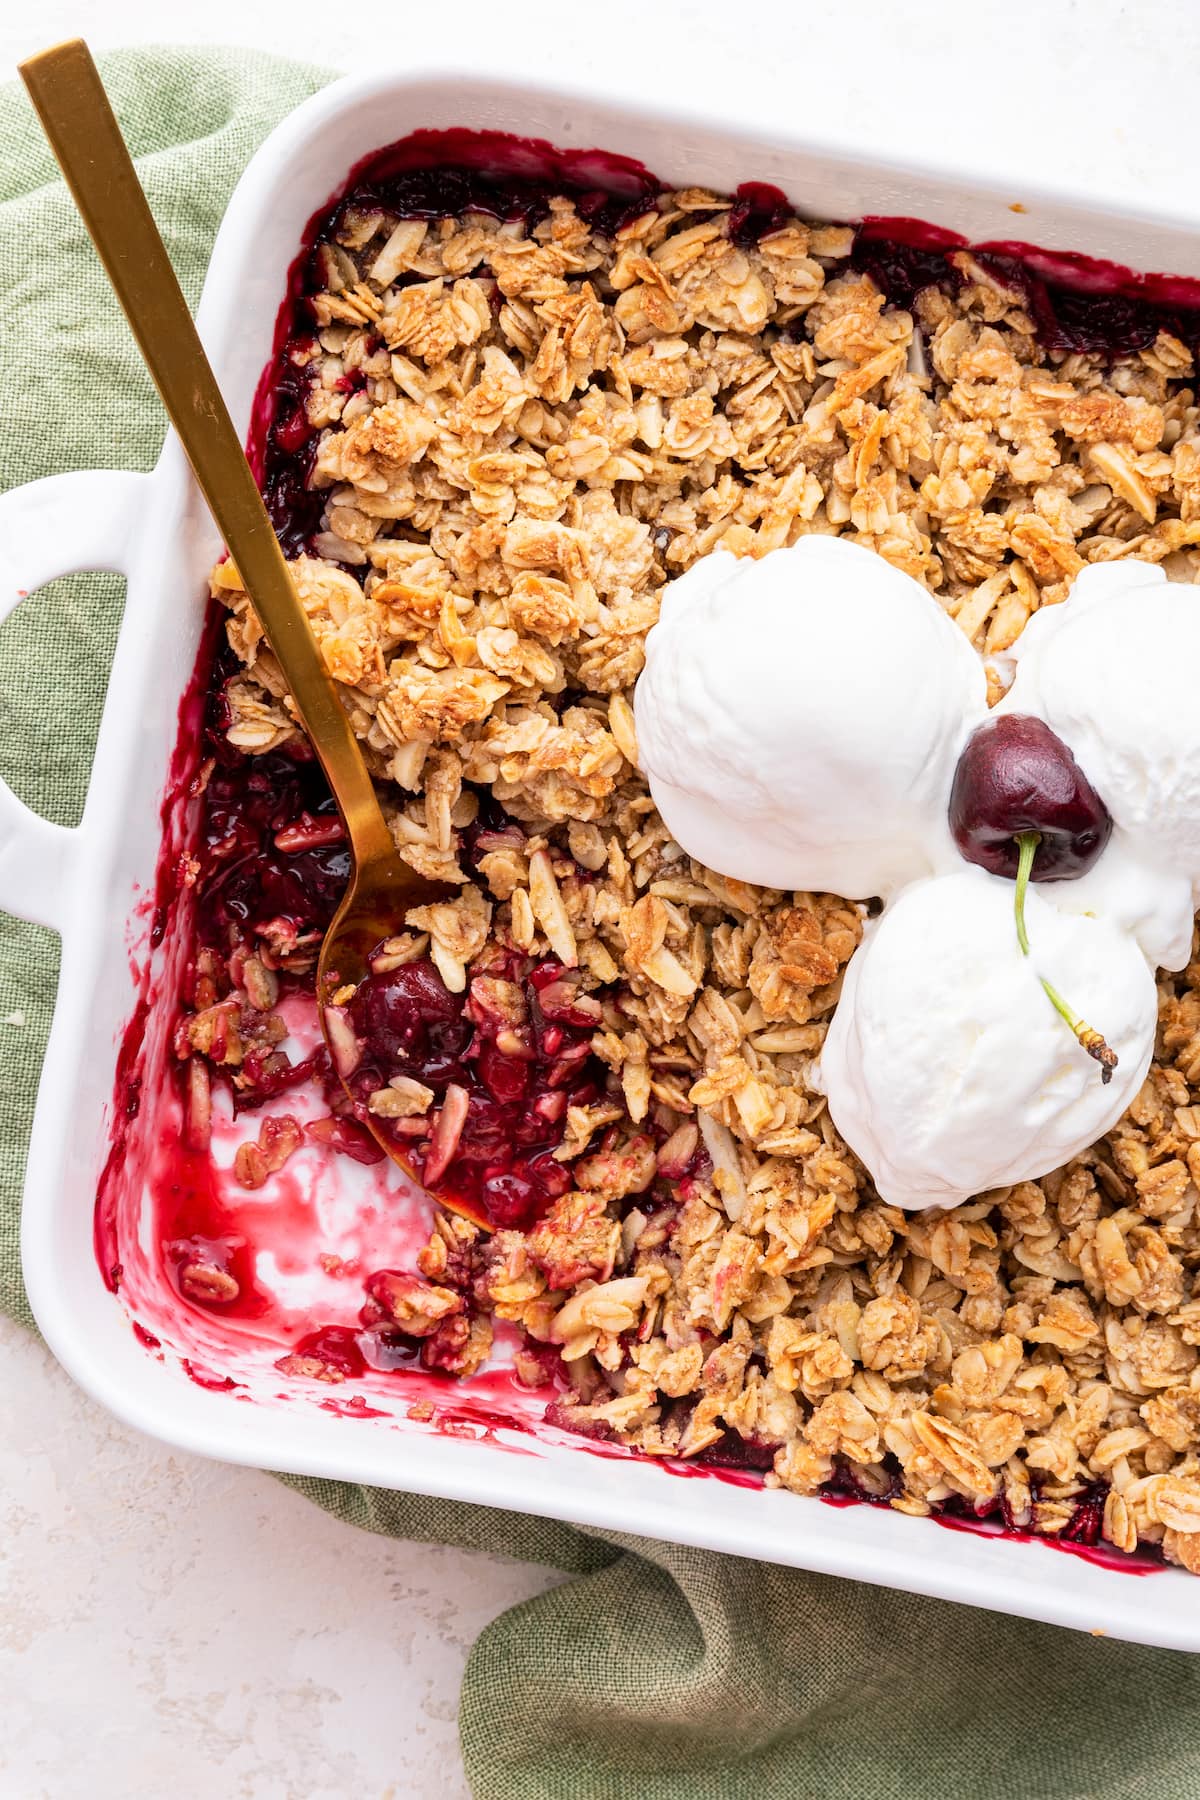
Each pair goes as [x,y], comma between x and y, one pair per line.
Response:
[69,98]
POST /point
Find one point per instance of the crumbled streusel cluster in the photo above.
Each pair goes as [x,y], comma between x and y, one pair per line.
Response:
[524,436]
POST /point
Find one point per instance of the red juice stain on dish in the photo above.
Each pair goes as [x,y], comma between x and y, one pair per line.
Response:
[728,1473]
[488,1402]
[744,1464]
[469,1416]
[176,824]
[270,837]
[335,1347]
[207,1378]
[1081,1536]
[480,1424]
[354,1408]
[1102,1555]
[210,1231]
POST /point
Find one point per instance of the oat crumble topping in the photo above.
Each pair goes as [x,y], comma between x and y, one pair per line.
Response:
[523,436]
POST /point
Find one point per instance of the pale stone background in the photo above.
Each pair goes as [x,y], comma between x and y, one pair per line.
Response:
[170,1627]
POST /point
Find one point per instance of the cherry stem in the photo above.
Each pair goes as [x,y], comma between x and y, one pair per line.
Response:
[1027,843]
[1092,1041]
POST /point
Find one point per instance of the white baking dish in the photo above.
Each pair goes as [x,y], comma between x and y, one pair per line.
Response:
[87,883]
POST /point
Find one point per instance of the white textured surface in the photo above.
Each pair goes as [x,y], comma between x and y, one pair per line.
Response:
[168,1627]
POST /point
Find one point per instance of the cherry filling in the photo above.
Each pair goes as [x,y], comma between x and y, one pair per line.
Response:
[272,851]
[733,1451]
[1105,325]
[903,270]
[1079,305]
[758,209]
[503,1061]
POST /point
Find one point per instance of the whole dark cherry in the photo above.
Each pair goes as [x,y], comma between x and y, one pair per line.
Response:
[1015,775]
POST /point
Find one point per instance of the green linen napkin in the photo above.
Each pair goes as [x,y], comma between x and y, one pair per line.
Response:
[657,1673]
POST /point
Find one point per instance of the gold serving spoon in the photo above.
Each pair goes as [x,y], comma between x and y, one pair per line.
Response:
[68,95]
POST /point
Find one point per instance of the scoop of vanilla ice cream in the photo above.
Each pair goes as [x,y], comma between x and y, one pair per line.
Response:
[946,1067]
[799,718]
[1113,671]
[1154,904]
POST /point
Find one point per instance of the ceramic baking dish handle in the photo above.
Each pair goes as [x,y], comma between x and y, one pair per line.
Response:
[59,526]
